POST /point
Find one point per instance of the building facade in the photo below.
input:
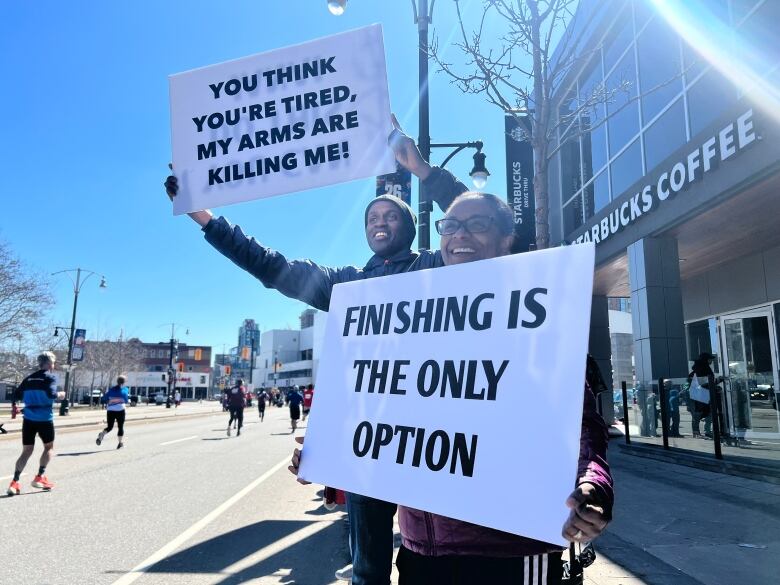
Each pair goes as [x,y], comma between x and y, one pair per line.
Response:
[290,357]
[676,179]
[192,365]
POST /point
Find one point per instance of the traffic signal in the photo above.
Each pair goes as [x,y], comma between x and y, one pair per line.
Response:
[180,366]
[245,353]
[227,370]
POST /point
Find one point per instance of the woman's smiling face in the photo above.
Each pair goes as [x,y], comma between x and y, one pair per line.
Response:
[464,246]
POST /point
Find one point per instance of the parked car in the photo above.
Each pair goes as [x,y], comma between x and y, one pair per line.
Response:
[158,398]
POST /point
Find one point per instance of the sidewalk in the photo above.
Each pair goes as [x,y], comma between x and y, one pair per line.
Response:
[676,525]
[81,416]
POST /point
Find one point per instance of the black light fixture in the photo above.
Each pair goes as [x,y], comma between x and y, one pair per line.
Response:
[479,174]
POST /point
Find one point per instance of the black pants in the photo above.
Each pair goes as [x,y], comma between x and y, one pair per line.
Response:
[414,569]
[236,413]
[119,417]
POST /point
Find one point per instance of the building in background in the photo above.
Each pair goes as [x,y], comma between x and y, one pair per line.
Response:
[289,357]
[676,181]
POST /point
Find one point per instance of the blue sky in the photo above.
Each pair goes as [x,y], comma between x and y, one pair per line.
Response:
[86,142]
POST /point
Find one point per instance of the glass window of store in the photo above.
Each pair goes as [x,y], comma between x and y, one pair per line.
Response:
[665,135]
[660,80]
[702,336]
[622,109]
[594,135]
[626,169]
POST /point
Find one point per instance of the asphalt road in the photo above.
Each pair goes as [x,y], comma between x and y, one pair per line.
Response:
[181,503]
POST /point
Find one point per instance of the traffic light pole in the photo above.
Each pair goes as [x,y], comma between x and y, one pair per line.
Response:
[171,372]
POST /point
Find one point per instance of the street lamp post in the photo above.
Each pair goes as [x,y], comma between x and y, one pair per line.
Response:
[423,16]
[77,284]
[173,353]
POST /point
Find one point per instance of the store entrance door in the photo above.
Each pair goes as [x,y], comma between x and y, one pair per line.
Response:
[750,360]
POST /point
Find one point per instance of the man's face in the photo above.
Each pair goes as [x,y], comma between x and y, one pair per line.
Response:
[384,226]
[464,246]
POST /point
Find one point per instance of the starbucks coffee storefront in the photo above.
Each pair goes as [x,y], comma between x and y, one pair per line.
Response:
[696,246]
[680,191]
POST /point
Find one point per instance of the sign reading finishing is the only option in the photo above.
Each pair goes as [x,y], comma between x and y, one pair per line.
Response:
[456,392]
[288,120]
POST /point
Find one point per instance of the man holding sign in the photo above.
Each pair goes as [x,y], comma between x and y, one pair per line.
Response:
[390,230]
[434,467]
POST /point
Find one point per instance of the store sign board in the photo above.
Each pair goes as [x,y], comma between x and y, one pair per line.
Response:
[722,146]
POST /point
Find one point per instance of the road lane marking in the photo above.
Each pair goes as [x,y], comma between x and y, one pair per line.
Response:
[180,440]
[166,550]
[10,477]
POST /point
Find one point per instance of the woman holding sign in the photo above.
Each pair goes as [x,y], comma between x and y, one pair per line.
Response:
[442,550]
[437,549]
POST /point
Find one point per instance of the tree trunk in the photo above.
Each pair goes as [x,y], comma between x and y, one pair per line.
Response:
[542,201]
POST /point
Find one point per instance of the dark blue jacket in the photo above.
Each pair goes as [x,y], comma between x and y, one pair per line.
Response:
[38,391]
[309,282]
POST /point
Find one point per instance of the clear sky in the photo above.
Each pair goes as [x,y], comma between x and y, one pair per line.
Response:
[86,142]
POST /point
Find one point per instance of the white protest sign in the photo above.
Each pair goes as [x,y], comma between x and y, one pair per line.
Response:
[283,121]
[459,390]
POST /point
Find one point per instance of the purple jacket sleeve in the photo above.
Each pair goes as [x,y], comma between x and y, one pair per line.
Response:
[593,467]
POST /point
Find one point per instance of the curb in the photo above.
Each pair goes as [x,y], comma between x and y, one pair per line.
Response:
[75,425]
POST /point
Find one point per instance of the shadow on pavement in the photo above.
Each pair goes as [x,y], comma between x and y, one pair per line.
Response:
[310,560]
[322,511]
[79,453]
[6,496]
[215,439]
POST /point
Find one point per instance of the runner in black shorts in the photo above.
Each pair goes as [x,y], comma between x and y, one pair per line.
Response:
[33,428]
[38,391]
[261,399]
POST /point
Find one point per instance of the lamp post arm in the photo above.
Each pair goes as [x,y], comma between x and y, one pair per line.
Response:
[458,146]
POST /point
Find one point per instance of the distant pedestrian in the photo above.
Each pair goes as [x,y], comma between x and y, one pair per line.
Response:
[236,404]
[115,399]
[294,400]
[177,399]
[261,399]
[702,371]
[308,397]
[38,391]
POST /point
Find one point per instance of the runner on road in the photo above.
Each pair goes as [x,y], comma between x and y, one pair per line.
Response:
[38,391]
[294,399]
[308,396]
[236,404]
[115,400]
[261,399]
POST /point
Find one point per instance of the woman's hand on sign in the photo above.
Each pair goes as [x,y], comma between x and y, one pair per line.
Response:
[296,461]
[587,519]
[407,153]
[172,188]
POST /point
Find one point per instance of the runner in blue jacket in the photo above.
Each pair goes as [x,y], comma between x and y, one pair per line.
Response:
[38,391]
[115,399]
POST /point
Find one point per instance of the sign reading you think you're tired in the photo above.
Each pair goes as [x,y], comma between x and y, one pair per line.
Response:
[458,390]
[283,121]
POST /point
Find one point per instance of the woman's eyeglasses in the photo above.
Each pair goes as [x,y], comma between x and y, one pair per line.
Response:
[474,225]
